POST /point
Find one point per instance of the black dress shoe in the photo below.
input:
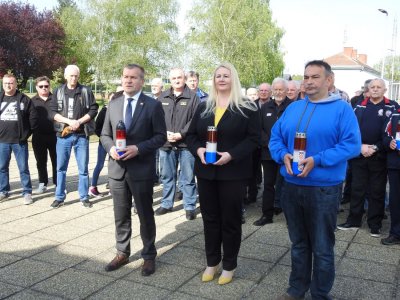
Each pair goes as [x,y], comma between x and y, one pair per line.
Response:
[118,261]
[277,211]
[262,221]
[190,215]
[149,267]
[162,211]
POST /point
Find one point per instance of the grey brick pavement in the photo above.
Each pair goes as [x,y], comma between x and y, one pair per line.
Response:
[60,254]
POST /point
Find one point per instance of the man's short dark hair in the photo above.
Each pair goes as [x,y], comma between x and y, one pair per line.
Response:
[320,63]
[136,66]
[192,74]
[42,78]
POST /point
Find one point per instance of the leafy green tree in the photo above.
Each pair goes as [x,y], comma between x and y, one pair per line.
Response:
[391,63]
[241,32]
[75,50]
[114,33]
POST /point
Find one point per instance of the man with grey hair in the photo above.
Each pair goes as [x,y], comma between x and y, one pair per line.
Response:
[252,94]
[156,87]
[293,90]
[270,113]
[73,107]
[264,93]
[369,169]
[179,104]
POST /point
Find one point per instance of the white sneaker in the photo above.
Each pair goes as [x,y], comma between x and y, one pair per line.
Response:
[41,188]
[28,199]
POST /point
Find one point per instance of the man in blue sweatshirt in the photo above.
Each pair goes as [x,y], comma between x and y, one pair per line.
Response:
[310,198]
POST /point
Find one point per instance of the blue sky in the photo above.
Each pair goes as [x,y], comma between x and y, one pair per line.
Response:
[316,29]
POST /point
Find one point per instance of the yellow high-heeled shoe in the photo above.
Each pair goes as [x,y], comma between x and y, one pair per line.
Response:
[226,277]
[206,277]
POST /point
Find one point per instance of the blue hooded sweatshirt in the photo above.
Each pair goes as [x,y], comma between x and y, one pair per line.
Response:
[333,137]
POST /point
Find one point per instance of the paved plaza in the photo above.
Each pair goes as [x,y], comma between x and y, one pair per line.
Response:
[60,253]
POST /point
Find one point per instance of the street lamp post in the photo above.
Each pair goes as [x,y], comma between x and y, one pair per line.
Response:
[384,42]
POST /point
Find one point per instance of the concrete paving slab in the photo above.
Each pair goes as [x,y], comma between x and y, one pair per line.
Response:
[193,225]
[73,284]
[268,253]
[60,233]
[381,254]
[6,259]
[167,234]
[183,296]
[167,276]
[185,256]
[33,295]
[356,288]
[8,289]
[94,240]
[66,255]
[130,290]
[25,246]
[271,234]
[252,269]
[369,270]
[278,276]
[6,236]
[196,241]
[27,272]
[5,218]
[24,226]
[267,291]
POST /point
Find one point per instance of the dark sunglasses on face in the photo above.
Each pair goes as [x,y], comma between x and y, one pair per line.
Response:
[43,86]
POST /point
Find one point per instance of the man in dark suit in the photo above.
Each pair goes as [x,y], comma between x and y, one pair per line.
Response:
[132,173]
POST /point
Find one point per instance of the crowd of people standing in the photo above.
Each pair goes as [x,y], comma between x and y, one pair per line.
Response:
[302,140]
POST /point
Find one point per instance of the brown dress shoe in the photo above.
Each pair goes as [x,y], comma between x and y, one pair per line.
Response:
[118,261]
[149,267]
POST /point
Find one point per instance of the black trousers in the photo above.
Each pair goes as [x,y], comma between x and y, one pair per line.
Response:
[221,205]
[270,169]
[256,179]
[41,144]
[347,185]
[369,175]
[142,191]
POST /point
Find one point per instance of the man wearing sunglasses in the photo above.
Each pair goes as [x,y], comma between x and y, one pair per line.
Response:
[17,120]
[44,138]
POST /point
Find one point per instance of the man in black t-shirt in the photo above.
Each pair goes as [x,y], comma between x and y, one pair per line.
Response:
[72,106]
[17,120]
[44,138]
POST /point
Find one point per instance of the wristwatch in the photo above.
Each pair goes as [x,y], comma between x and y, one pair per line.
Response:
[375,147]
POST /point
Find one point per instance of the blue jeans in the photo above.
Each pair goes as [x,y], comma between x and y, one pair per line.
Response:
[311,213]
[21,156]
[80,143]
[169,160]
[101,157]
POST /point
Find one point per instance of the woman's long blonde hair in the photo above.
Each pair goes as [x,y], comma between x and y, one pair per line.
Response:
[236,100]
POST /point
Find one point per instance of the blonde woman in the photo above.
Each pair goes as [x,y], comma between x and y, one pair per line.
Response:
[221,185]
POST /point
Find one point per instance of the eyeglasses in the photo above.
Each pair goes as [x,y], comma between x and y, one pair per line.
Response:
[43,86]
